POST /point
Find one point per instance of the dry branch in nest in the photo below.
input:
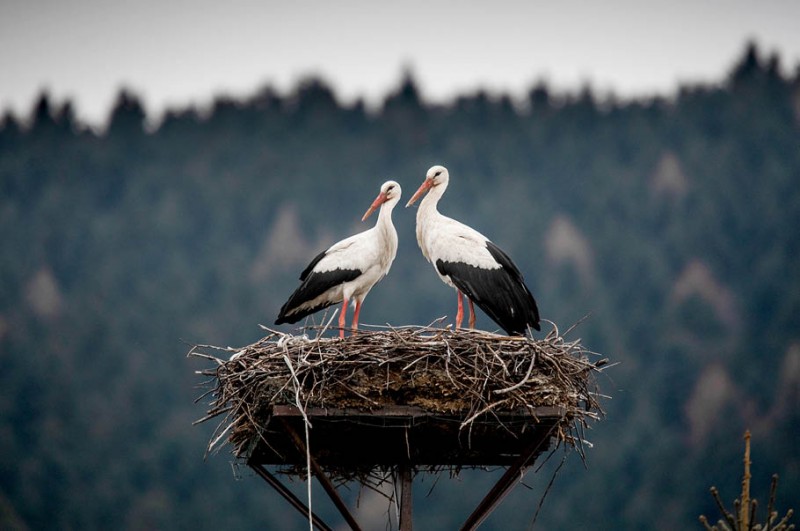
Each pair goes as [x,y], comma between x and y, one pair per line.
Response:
[469,375]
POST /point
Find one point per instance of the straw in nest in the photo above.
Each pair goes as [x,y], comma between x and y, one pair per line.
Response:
[466,373]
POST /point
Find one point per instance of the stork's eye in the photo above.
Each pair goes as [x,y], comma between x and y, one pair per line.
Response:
[438,173]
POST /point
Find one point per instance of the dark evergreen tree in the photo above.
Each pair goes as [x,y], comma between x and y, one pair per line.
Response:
[673,222]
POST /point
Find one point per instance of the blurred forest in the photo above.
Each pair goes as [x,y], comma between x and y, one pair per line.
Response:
[673,222]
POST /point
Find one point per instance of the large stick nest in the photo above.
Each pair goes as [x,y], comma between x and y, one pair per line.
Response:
[467,373]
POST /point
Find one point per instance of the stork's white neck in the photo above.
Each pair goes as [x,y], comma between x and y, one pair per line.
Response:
[385,213]
[427,214]
[431,199]
[387,234]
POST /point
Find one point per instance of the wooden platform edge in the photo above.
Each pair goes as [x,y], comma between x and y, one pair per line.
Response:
[410,411]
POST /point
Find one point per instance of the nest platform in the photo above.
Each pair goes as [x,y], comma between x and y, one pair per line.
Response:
[402,400]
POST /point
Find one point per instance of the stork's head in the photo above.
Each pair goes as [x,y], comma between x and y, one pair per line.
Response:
[390,192]
[436,176]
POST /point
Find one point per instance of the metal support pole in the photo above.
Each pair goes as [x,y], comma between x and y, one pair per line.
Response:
[288,495]
[406,498]
[503,485]
[323,479]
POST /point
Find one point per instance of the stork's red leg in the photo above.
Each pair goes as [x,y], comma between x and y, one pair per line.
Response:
[341,318]
[355,315]
[460,313]
[471,314]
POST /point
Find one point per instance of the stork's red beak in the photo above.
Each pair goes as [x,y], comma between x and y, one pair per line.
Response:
[381,199]
[424,187]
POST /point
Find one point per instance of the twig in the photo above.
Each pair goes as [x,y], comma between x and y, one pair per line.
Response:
[522,382]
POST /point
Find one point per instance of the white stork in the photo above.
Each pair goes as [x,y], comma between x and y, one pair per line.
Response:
[468,261]
[347,270]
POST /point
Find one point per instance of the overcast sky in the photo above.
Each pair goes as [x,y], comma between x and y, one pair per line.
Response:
[176,53]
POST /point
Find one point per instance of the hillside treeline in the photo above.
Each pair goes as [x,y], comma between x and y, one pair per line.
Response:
[671,224]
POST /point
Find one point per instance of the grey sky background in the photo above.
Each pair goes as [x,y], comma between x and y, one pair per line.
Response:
[186,52]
